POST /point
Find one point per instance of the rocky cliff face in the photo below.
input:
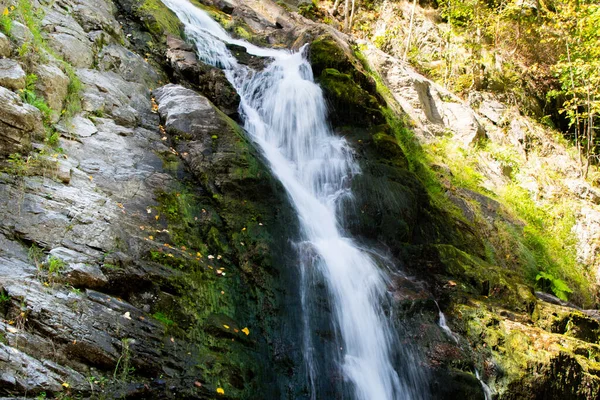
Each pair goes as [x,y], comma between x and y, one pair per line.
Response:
[143,241]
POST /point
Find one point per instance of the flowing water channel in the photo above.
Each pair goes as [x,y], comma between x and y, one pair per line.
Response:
[284,113]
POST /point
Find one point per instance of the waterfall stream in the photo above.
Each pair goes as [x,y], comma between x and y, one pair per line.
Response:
[284,113]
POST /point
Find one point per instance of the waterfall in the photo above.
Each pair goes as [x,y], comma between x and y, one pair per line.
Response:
[487,392]
[284,113]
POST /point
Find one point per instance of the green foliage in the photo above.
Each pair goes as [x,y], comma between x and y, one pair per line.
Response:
[29,96]
[17,165]
[163,319]
[4,298]
[309,10]
[123,369]
[54,267]
[559,287]
[73,100]
[5,22]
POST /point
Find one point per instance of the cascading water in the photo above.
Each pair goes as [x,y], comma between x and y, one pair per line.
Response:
[284,112]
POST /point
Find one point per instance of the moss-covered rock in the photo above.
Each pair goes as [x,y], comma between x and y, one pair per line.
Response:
[227,239]
[349,103]
[157,18]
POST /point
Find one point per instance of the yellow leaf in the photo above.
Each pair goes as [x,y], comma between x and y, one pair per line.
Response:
[151,237]
[226,326]
[246,331]
[156,217]
[220,391]
[65,385]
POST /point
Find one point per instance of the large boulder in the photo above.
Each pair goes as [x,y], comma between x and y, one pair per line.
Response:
[12,75]
[19,122]
[212,144]
[53,84]
[210,81]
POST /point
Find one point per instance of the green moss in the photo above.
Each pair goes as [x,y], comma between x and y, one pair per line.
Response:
[163,319]
[389,148]
[351,104]
[326,53]
[159,19]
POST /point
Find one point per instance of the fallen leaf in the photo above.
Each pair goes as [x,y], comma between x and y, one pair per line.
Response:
[220,391]
[127,315]
[172,340]
[156,217]
[246,331]
[11,329]
[226,326]
[197,384]
[65,385]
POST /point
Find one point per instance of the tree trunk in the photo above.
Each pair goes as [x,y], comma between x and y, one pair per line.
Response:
[352,14]
[410,28]
[333,10]
[346,15]
[590,133]
[577,143]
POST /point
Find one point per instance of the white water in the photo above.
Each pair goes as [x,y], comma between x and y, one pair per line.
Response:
[487,392]
[444,325]
[284,112]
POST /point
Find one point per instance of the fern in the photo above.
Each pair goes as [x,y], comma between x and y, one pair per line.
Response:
[556,285]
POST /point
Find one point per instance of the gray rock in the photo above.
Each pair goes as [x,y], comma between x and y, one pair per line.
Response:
[69,255]
[214,149]
[185,111]
[434,109]
[12,75]
[19,122]
[108,93]
[463,122]
[68,38]
[84,275]
[489,106]
[210,81]
[5,48]
[130,66]
[79,127]
[96,15]
[53,84]
[20,33]
[75,51]
[26,374]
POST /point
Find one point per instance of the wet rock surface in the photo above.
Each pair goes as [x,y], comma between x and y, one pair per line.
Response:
[133,263]
[104,269]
